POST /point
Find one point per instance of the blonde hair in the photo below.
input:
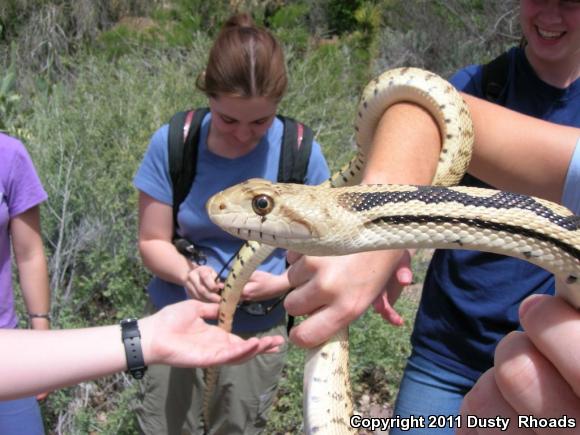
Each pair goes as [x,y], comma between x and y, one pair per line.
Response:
[244,61]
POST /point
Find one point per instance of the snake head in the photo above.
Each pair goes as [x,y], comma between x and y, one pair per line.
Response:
[259,210]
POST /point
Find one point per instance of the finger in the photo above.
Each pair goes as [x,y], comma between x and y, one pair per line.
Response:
[304,300]
[404,273]
[207,310]
[301,271]
[530,383]
[206,295]
[242,351]
[486,402]
[237,353]
[208,279]
[319,327]
[309,292]
[554,327]
[386,311]
[206,288]
[317,283]
[404,276]
[212,297]
[292,257]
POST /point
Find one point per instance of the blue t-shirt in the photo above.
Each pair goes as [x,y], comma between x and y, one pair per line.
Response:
[470,299]
[213,174]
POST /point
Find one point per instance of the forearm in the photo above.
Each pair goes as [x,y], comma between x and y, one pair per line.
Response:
[405,147]
[32,267]
[516,152]
[512,151]
[46,360]
[33,277]
[163,260]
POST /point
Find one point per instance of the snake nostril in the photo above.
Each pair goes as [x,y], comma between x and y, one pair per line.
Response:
[222,206]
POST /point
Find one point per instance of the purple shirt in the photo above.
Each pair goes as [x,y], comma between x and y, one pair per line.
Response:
[20,190]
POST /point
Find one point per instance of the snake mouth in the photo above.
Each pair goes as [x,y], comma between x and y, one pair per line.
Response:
[259,229]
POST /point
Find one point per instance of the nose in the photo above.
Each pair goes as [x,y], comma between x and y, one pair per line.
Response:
[551,12]
[243,133]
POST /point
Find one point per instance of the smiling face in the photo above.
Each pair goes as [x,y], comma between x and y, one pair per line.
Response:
[552,30]
[238,123]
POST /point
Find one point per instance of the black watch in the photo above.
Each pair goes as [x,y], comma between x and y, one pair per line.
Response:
[132,341]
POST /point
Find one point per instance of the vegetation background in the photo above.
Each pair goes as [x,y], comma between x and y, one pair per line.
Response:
[84,83]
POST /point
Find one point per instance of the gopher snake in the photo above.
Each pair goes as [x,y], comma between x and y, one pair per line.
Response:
[328,403]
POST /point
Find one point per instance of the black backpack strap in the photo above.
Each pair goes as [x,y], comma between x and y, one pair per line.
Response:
[295,152]
[183,141]
[294,158]
[494,78]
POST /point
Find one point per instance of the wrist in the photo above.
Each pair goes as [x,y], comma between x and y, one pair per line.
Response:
[147,329]
[190,268]
[131,338]
[39,324]
[38,320]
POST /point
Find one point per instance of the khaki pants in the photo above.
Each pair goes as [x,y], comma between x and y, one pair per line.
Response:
[173,397]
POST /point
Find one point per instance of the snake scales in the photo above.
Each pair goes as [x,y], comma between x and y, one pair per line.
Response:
[322,221]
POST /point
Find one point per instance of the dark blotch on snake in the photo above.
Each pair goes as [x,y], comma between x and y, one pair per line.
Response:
[441,195]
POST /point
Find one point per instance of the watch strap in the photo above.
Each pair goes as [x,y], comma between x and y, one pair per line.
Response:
[131,338]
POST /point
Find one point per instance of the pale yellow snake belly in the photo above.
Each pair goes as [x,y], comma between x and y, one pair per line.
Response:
[327,401]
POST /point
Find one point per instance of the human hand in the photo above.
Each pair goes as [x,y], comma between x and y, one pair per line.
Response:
[177,335]
[536,372]
[263,286]
[334,291]
[202,284]
[403,276]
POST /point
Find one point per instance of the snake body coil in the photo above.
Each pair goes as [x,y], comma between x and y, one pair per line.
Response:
[327,395]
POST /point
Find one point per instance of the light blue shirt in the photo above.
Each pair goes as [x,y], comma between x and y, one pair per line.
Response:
[213,174]
[571,195]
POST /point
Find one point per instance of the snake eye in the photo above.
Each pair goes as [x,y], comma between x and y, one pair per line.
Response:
[262,204]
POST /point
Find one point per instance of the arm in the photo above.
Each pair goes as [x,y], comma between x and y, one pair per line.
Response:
[320,281]
[31,263]
[162,258]
[176,335]
[512,151]
[520,153]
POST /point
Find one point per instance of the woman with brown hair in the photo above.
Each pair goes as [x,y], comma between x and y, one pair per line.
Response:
[240,138]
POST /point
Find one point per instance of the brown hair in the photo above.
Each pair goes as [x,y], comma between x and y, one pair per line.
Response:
[245,61]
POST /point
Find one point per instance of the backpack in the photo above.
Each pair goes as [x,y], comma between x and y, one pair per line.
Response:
[494,79]
[183,138]
[494,76]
